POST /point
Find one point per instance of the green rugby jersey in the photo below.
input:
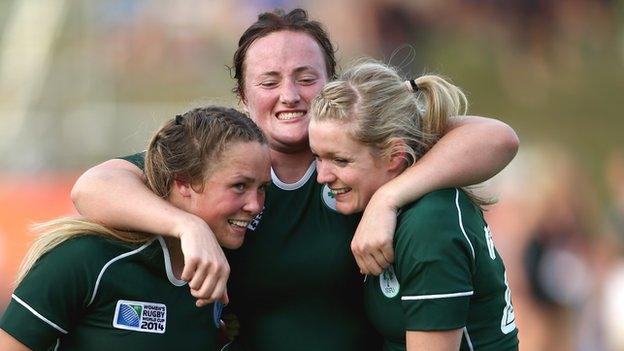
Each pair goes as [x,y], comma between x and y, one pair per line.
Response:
[92,293]
[294,283]
[447,275]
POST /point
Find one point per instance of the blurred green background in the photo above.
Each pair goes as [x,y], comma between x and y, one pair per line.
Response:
[84,81]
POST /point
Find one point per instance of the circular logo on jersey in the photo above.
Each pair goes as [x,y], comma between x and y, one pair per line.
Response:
[328,197]
[388,283]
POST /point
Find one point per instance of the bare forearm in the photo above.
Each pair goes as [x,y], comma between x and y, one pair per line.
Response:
[113,193]
[9,343]
[472,151]
[433,341]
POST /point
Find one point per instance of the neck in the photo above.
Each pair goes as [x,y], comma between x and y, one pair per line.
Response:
[176,256]
[290,167]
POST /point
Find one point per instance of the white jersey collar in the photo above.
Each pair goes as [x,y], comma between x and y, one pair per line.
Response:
[296,185]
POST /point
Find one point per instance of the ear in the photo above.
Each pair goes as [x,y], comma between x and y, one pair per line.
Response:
[183,188]
[396,160]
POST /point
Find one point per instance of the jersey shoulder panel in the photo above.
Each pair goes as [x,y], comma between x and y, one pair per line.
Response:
[426,227]
[137,159]
[57,289]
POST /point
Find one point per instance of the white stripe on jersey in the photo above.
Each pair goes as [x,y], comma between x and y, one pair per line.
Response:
[461,223]
[97,282]
[468,341]
[436,296]
[33,311]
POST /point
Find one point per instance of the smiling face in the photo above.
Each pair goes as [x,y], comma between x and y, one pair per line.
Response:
[347,166]
[233,194]
[283,72]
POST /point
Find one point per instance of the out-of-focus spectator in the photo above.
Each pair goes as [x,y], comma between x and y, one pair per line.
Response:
[542,226]
[610,266]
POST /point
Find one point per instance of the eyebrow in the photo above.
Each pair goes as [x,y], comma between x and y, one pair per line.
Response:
[297,70]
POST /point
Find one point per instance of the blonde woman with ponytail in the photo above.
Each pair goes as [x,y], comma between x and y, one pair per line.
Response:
[447,288]
[83,286]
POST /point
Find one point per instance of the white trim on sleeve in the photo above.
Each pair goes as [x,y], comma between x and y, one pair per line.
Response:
[437,296]
[37,314]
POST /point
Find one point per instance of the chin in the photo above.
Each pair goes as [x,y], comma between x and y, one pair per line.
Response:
[348,210]
[232,243]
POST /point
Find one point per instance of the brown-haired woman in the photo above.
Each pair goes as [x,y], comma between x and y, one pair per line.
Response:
[84,286]
[295,284]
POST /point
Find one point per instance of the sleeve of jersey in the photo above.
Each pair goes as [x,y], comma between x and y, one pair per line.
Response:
[434,263]
[48,300]
[137,159]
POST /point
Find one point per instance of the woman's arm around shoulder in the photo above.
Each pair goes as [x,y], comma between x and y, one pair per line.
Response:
[114,193]
[473,150]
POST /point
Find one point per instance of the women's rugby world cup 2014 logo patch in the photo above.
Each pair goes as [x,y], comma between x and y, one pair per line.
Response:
[147,317]
[329,198]
[388,283]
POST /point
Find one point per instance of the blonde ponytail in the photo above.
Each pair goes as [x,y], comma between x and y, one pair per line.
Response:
[442,101]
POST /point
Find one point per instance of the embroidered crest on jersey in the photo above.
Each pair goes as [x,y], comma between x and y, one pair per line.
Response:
[147,317]
[388,283]
[216,313]
[329,199]
[254,222]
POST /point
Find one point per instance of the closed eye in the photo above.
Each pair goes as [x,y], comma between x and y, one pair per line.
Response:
[268,84]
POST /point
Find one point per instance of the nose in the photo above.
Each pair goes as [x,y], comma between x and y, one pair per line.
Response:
[289,94]
[254,202]
[324,175]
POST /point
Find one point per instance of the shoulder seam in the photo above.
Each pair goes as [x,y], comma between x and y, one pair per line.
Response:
[110,262]
[461,222]
[37,314]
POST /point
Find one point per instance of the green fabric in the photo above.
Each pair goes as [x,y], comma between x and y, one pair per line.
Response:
[137,159]
[439,283]
[294,283]
[61,286]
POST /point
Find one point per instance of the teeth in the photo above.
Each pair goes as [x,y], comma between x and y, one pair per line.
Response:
[284,116]
[340,191]
[238,223]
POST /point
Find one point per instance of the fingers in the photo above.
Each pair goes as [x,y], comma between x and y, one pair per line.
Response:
[373,259]
[198,279]
[190,266]
[211,286]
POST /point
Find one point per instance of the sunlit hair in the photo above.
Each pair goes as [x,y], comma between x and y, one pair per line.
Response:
[381,108]
[277,20]
[188,147]
[383,111]
[185,148]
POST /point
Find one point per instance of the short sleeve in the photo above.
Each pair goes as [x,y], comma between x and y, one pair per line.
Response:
[137,159]
[48,301]
[434,265]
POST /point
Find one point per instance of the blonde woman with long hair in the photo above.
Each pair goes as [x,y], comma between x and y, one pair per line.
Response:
[83,286]
[447,289]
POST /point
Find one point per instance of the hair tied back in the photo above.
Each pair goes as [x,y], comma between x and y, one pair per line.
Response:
[411,84]
[178,120]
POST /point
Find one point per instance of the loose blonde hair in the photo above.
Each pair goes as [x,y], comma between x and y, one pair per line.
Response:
[379,108]
[185,148]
